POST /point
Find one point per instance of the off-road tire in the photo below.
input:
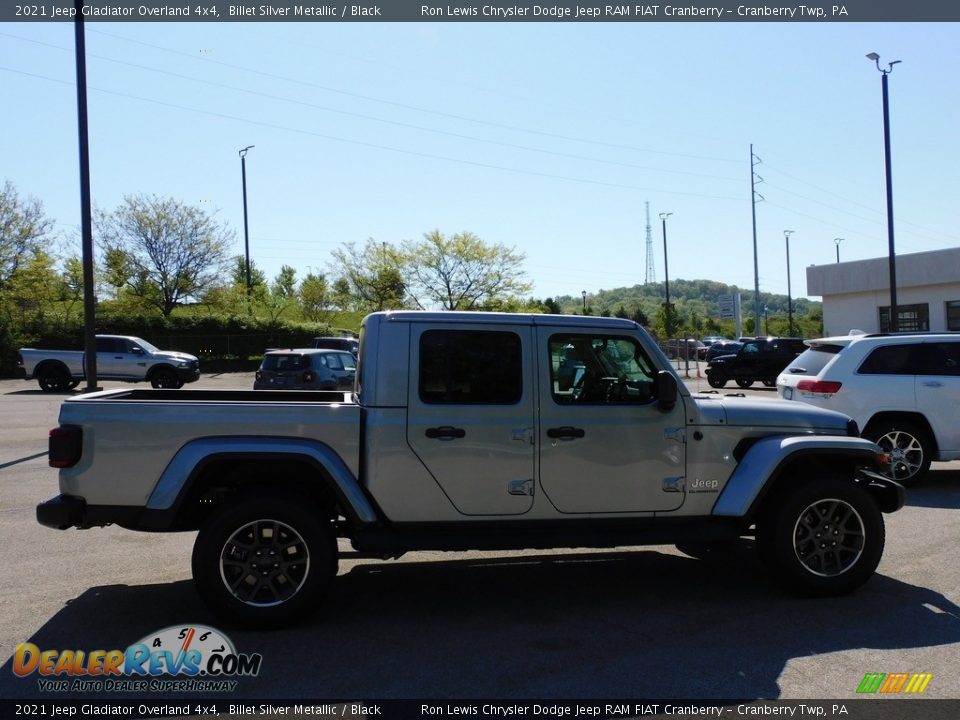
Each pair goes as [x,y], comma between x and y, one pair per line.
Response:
[716,380]
[265,560]
[744,382]
[820,537]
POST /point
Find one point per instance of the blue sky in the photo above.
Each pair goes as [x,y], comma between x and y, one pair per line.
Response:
[546,137]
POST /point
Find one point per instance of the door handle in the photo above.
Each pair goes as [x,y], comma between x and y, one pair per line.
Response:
[932,383]
[445,432]
[565,433]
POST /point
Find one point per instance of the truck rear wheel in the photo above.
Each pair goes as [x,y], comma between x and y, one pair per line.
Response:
[716,379]
[54,378]
[821,537]
[264,561]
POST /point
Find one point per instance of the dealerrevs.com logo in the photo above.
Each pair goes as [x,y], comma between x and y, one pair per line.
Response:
[176,659]
[894,683]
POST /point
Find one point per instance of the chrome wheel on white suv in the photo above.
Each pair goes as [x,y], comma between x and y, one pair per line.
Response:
[908,448]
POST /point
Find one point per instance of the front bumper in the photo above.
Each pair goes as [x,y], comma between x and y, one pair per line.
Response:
[66,511]
[188,375]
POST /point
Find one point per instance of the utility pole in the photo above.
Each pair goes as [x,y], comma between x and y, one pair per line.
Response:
[894,314]
[246,232]
[667,315]
[754,177]
[786,236]
[837,241]
[86,221]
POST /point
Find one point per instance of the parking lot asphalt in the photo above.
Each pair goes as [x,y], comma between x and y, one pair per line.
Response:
[633,623]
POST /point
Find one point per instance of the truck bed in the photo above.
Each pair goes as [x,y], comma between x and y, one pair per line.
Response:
[133,436]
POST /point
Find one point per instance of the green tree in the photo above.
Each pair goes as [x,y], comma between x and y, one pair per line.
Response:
[35,288]
[314,297]
[374,274]
[175,251]
[285,283]
[23,228]
[462,272]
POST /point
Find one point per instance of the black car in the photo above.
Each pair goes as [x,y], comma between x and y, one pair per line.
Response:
[758,359]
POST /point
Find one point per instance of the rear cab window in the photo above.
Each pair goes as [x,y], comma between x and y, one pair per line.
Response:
[470,367]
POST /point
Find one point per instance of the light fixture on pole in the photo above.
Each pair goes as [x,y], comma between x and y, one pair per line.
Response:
[837,241]
[667,320]
[786,236]
[584,294]
[246,232]
[894,319]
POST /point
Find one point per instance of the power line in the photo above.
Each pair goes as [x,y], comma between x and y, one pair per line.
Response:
[432,156]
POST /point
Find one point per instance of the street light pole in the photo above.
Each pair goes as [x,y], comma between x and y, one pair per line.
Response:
[246,232]
[837,241]
[786,235]
[894,319]
[667,320]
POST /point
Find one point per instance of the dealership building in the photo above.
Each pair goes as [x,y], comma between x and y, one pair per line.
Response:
[856,295]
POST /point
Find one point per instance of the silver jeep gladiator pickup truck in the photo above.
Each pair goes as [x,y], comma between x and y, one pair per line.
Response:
[470,431]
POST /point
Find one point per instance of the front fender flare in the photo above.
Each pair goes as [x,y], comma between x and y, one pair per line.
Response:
[767,458]
[179,474]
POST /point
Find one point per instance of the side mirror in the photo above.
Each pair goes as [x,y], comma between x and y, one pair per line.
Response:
[666,391]
[137,350]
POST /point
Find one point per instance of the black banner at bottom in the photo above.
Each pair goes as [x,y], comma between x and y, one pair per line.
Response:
[857,709]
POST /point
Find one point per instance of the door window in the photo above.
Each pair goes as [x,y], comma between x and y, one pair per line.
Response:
[891,360]
[599,369]
[470,367]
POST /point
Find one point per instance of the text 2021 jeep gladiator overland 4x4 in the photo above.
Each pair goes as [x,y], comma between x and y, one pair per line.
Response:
[459,435]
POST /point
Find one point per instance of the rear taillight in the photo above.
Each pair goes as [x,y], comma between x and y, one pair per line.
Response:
[822,387]
[258,375]
[65,446]
[308,376]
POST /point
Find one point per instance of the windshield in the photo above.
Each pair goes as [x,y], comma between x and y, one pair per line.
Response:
[146,346]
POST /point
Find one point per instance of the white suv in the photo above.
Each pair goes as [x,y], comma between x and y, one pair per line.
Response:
[903,390]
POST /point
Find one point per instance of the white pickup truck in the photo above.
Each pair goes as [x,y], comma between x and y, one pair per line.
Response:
[119,357]
[470,431]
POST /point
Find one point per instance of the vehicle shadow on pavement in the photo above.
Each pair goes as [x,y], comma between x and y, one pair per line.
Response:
[939,489]
[638,624]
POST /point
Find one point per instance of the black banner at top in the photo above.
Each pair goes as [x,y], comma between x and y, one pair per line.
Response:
[468,11]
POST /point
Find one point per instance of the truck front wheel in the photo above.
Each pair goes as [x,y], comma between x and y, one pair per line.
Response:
[265,561]
[821,537]
[165,378]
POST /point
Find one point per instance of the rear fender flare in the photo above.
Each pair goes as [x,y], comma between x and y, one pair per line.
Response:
[186,465]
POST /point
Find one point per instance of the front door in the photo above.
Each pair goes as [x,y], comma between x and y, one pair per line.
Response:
[471,414]
[605,446]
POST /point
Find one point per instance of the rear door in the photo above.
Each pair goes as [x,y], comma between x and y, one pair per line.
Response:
[938,392]
[471,414]
[605,447]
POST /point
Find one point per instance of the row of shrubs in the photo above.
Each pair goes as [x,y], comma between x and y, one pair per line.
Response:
[222,343]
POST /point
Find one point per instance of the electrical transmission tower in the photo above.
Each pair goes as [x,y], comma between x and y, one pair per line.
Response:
[651,275]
